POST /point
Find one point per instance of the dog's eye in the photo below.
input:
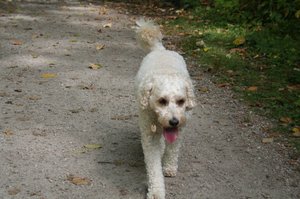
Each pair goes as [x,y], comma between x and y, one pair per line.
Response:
[180,102]
[163,101]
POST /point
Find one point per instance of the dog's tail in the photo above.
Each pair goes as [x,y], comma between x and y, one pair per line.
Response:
[149,36]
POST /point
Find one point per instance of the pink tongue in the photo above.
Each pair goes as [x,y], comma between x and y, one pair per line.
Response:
[170,134]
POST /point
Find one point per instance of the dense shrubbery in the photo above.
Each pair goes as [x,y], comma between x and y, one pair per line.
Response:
[267,59]
[249,10]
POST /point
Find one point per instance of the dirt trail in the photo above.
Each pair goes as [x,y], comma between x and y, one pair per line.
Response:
[45,121]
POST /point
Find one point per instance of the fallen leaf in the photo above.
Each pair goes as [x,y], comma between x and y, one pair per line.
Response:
[295,87]
[3,94]
[48,75]
[252,88]
[256,56]
[241,51]
[87,87]
[23,119]
[77,110]
[8,132]
[123,192]
[285,120]
[16,42]
[200,44]
[103,11]
[100,46]
[34,56]
[39,133]
[297,14]
[205,49]
[93,110]
[239,41]
[95,66]
[267,140]
[92,146]
[296,131]
[108,25]
[274,134]
[223,85]
[78,180]
[13,191]
[183,33]
[119,162]
[203,89]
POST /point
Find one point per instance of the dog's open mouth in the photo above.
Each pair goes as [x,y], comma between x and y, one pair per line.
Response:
[170,134]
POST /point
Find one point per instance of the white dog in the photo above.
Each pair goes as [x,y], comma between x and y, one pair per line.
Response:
[165,95]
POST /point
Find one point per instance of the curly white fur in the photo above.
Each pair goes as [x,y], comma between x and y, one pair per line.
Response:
[165,95]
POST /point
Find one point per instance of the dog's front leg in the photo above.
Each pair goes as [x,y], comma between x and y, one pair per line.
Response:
[152,152]
[170,159]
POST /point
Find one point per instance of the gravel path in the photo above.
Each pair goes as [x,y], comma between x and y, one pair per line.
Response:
[69,131]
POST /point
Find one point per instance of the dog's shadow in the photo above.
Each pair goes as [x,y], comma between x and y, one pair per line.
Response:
[121,161]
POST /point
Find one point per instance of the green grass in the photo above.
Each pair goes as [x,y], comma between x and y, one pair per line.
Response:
[269,60]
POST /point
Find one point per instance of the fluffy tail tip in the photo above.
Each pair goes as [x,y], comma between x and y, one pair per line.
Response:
[149,35]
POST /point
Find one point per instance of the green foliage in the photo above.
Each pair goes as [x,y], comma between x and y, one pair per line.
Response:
[269,59]
[264,11]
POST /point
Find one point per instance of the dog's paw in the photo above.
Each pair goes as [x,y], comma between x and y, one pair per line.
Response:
[170,172]
[156,194]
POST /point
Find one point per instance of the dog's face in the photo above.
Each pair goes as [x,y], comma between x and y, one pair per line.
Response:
[170,99]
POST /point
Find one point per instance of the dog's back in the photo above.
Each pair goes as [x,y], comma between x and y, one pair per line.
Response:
[159,60]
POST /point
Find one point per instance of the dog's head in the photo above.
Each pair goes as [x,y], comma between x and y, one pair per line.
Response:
[170,97]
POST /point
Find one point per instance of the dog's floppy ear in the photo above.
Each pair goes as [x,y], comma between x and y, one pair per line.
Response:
[191,99]
[144,94]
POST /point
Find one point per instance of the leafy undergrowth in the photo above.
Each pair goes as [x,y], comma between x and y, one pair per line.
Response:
[260,63]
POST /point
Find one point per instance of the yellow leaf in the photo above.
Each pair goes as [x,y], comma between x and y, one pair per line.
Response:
[78,180]
[48,75]
[296,131]
[267,140]
[203,89]
[239,41]
[297,14]
[252,88]
[205,49]
[92,146]
[95,66]
[8,132]
[100,46]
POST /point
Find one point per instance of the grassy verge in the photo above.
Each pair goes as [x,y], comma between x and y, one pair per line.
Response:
[260,63]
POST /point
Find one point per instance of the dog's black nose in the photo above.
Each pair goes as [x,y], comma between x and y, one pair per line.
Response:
[173,122]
